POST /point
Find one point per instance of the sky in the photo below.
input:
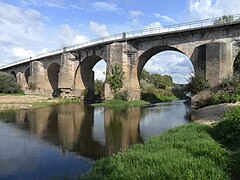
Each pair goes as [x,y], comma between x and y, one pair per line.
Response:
[29,27]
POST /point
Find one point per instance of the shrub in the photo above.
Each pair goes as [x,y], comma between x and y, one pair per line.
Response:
[197,83]
[123,95]
[231,84]
[8,84]
[228,130]
[115,79]
[32,86]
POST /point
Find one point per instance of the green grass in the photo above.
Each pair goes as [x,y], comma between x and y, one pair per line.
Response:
[158,97]
[116,103]
[186,152]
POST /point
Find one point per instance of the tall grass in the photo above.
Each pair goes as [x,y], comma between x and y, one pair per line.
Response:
[187,152]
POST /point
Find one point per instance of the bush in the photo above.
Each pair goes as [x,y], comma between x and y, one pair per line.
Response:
[228,130]
[32,86]
[123,95]
[197,83]
[8,84]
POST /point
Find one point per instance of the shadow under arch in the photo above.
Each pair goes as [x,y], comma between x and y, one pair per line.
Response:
[53,76]
[148,54]
[27,74]
[87,74]
[236,64]
[14,75]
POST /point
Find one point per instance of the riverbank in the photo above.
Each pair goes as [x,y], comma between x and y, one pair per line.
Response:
[186,152]
[16,102]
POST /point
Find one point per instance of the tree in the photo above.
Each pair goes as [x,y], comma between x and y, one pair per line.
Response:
[8,84]
[115,79]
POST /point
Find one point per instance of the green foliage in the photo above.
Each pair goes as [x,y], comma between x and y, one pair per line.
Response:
[8,84]
[156,88]
[228,131]
[123,95]
[197,83]
[99,89]
[32,86]
[224,19]
[117,103]
[159,81]
[187,152]
[115,80]
[231,84]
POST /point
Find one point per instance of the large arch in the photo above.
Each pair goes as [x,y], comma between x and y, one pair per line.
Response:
[148,54]
[53,76]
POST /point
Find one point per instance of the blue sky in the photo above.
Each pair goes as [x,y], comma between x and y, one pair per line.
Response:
[29,27]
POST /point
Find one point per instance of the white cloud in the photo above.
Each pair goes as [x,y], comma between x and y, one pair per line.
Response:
[68,36]
[171,63]
[22,53]
[208,8]
[164,18]
[105,6]
[100,70]
[99,29]
[154,24]
[19,28]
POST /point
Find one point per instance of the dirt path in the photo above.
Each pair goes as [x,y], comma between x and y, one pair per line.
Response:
[9,102]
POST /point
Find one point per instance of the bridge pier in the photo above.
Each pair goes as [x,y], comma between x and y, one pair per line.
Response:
[219,60]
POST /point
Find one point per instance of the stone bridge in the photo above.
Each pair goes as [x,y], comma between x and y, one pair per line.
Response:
[68,71]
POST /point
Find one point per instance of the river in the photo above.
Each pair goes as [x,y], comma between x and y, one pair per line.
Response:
[64,140]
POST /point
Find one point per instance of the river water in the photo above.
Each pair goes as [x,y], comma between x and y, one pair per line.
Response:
[64,140]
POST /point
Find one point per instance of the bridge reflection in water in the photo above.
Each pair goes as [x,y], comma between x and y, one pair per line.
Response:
[98,132]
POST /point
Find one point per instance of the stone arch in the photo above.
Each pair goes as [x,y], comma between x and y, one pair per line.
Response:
[53,76]
[27,74]
[146,55]
[87,73]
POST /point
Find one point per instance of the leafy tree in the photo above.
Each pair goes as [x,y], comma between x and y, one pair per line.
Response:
[8,84]
[115,79]
[159,81]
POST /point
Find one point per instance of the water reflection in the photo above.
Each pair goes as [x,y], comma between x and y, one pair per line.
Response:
[88,132]
[100,132]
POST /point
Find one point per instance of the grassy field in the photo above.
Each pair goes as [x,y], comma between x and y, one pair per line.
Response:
[188,152]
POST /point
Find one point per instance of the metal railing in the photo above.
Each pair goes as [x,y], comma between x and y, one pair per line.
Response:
[218,21]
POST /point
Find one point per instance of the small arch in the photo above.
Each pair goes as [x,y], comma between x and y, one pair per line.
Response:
[53,76]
